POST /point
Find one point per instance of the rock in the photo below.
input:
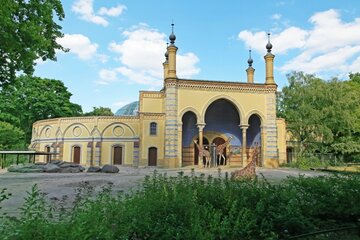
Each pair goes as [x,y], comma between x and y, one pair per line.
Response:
[94,169]
[69,170]
[51,168]
[68,164]
[109,169]
[39,163]
[57,162]
[27,168]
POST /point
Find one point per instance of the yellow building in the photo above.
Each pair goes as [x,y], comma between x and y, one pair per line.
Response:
[160,129]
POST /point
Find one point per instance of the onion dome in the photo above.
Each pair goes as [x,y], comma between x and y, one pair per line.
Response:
[269,45]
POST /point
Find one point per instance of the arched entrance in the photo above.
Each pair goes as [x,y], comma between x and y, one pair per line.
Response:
[253,135]
[189,131]
[76,154]
[117,155]
[223,118]
[152,156]
[196,155]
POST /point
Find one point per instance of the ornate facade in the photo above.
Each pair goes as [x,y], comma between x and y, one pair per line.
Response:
[166,124]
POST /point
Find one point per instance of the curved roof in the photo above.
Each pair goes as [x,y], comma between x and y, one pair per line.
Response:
[130,109]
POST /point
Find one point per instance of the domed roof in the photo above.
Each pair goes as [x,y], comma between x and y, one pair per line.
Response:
[130,109]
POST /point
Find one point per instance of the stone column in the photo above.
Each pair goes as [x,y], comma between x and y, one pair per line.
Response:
[243,150]
[262,145]
[201,127]
[180,144]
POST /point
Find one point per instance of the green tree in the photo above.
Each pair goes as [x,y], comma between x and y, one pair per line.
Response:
[323,116]
[11,137]
[29,99]
[28,31]
[100,111]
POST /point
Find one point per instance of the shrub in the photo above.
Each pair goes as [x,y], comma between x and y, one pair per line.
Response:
[191,207]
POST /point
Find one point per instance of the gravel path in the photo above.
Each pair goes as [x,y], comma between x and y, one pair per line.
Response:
[60,184]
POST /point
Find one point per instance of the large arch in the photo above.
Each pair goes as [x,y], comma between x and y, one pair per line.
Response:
[222,117]
[253,135]
[186,110]
[189,131]
[237,106]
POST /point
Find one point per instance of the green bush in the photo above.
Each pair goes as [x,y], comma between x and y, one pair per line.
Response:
[191,207]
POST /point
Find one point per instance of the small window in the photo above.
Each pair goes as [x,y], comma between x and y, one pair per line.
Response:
[153,129]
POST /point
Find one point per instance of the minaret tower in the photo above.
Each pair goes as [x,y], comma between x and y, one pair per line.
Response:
[172,49]
[269,63]
[166,63]
[250,70]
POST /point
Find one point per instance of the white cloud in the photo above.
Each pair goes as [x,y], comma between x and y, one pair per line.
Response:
[276,16]
[290,38]
[79,45]
[113,12]
[329,45]
[142,53]
[84,8]
[107,76]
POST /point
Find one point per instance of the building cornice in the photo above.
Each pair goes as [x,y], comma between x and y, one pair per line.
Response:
[221,86]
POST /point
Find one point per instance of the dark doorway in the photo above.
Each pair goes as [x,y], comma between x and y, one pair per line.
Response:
[206,146]
[48,157]
[117,155]
[76,154]
[152,156]
[218,141]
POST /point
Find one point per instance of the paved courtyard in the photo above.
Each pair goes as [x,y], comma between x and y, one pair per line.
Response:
[60,184]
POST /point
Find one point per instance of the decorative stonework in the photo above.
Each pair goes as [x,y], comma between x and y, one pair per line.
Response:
[47,132]
[151,94]
[118,131]
[77,131]
[155,116]
[221,86]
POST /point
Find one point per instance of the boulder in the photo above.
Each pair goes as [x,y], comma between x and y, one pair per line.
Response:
[109,169]
[94,169]
[26,168]
[57,162]
[69,170]
[51,168]
[68,164]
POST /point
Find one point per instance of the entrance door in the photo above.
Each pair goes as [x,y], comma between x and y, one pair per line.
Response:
[76,154]
[48,157]
[196,160]
[152,156]
[218,141]
[117,155]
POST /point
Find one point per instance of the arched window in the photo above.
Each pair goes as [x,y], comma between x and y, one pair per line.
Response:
[153,128]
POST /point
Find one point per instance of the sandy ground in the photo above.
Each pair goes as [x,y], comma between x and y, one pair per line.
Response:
[60,184]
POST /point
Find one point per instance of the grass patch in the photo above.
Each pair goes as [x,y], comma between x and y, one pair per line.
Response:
[191,207]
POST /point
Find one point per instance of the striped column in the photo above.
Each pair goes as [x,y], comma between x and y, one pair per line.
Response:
[171,127]
[270,131]
[136,154]
[97,154]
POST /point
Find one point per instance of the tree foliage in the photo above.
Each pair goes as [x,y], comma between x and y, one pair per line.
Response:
[100,111]
[27,32]
[29,99]
[324,116]
[11,137]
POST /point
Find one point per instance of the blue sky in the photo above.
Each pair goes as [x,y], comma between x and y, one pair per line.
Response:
[117,47]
